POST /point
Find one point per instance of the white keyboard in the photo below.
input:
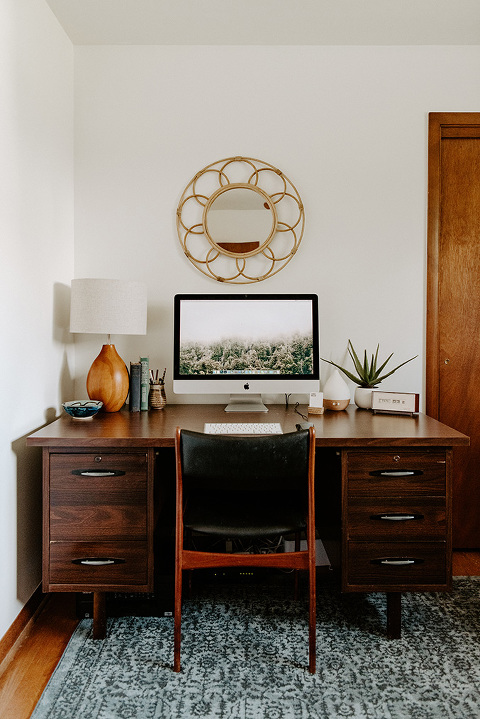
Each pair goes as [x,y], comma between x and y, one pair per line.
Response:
[243,428]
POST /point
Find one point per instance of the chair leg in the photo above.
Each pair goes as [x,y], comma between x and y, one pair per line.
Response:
[177,628]
[189,543]
[295,571]
[312,628]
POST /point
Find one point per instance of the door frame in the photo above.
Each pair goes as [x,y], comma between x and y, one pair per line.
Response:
[440,125]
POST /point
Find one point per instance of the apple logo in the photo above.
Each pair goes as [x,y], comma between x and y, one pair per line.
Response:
[246,386]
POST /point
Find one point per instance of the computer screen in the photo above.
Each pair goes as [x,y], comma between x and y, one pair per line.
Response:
[246,345]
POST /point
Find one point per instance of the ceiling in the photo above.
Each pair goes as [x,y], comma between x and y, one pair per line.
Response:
[269,22]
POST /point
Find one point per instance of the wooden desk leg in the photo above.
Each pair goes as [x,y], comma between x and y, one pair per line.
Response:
[99,615]
[394,615]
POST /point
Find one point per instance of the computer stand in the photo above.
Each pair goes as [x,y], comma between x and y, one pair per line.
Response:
[250,403]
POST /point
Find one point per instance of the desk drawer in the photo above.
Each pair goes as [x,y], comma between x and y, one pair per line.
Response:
[399,564]
[397,473]
[94,469]
[105,563]
[97,518]
[97,496]
[392,518]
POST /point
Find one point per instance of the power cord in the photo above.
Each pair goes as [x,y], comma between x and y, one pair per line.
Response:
[303,416]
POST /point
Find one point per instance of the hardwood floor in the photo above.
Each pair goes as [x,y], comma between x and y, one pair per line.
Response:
[24,676]
[466,563]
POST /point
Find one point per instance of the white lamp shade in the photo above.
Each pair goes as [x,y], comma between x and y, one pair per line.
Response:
[117,307]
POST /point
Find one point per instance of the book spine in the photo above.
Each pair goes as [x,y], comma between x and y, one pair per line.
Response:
[135,389]
[144,383]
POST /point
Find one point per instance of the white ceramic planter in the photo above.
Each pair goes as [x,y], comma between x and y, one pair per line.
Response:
[363,397]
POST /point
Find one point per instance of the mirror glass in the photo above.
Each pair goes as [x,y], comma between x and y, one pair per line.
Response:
[239,219]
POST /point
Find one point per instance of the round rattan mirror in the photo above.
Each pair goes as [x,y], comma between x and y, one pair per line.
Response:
[240,220]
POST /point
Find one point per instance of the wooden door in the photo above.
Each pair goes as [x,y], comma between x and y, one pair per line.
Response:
[453,304]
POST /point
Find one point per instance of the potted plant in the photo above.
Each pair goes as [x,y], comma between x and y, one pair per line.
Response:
[368,375]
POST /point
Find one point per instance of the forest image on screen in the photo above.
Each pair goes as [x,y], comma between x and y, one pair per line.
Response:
[246,338]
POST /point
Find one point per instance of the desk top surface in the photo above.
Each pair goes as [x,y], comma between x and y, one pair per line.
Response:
[156,428]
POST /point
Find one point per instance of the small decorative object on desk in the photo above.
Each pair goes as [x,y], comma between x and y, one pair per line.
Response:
[336,394]
[368,375]
[315,405]
[395,402]
[82,409]
[157,397]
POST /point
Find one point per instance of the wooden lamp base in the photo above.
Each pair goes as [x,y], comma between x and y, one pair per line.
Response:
[108,380]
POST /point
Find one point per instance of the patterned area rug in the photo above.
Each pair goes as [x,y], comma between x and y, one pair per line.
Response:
[244,656]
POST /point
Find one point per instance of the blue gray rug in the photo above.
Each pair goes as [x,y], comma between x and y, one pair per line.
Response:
[244,656]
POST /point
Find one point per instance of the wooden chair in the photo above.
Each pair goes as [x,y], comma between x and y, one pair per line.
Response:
[245,487]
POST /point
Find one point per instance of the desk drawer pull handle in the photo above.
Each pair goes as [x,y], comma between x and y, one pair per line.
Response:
[98,472]
[396,517]
[396,473]
[397,561]
[97,561]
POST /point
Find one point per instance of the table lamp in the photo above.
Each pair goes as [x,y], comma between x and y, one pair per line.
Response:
[108,307]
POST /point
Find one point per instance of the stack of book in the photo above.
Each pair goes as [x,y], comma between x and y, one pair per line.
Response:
[139,385]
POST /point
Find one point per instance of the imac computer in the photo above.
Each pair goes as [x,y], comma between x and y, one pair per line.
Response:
[246,345]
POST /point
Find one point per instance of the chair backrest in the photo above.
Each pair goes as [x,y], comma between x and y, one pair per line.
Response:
[255,463]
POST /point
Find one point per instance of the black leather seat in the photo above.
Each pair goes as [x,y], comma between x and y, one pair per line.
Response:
[245,487]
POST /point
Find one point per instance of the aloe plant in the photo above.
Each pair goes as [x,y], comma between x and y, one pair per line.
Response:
[368,374]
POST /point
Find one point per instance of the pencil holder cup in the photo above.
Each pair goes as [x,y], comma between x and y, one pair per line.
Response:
[157,398]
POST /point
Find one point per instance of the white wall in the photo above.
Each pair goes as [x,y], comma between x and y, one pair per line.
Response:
[348,125]
[36,231]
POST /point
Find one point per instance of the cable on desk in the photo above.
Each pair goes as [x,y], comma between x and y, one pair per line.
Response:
[303,416]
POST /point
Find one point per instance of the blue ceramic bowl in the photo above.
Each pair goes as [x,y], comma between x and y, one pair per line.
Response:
[82,409]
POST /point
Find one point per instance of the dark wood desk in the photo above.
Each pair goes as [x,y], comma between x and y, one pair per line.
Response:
[99,513]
